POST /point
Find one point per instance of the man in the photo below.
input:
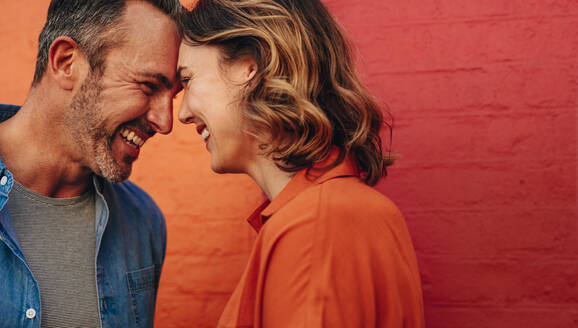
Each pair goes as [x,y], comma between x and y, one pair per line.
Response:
[77,250]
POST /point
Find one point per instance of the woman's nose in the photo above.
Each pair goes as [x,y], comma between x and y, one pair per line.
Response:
[185,115]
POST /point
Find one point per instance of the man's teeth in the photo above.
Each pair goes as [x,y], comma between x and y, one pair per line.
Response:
[131,137]
[205,134]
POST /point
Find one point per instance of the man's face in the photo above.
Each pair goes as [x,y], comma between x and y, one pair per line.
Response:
[112,115]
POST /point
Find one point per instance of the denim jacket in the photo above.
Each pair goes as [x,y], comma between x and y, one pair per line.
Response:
[130,250]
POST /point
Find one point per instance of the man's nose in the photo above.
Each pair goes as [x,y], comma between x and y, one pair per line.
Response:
[160,115]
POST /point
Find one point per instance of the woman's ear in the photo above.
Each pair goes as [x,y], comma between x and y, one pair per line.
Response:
[243,70]
[66,63]
[251,69]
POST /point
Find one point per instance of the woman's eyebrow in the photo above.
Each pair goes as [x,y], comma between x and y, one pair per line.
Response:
[179,70]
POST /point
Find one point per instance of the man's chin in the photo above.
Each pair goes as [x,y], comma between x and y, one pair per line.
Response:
[113,171]
[117,178]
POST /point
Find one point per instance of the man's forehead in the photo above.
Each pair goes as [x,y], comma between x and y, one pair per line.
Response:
[150,45]
[142,13]
[144,22]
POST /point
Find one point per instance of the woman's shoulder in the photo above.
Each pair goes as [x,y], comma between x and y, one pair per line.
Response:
[341,202]
[350,196]
[343,216]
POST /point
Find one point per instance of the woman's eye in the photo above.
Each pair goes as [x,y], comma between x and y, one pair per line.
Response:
[184,81]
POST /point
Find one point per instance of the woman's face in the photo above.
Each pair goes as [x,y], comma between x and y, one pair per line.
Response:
[212,95]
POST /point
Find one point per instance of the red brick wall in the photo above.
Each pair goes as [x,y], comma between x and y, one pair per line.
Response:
[485,98]
[484,95]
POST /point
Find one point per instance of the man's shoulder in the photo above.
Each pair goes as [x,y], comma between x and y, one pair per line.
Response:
[7,111]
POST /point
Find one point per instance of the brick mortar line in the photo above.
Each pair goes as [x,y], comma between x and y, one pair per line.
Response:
[422,114]
[506,307]
[470,21]
[519,256]
[500,260]
[485,163]
[488,210]
[473,69]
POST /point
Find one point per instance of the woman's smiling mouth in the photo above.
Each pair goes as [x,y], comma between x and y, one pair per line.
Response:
[203,131]
[205,134]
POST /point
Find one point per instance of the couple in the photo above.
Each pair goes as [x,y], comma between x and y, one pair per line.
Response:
[270,87]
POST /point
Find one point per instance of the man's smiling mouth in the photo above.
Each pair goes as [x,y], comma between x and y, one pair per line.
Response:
[131,138]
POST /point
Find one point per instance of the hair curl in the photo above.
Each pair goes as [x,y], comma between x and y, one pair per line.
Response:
[306,94]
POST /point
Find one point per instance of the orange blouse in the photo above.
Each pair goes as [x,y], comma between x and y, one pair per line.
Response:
[330,252]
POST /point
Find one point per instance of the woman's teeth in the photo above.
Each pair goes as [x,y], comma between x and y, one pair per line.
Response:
[131,137]
[205,134]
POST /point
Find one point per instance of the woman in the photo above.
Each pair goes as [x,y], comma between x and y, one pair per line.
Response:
[271,88]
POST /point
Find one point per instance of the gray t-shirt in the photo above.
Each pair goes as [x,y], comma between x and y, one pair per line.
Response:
[58,239]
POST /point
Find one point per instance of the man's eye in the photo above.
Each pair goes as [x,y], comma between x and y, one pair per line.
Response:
[149,87]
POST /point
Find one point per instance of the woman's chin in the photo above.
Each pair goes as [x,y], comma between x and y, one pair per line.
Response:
[222,168]
[218,167]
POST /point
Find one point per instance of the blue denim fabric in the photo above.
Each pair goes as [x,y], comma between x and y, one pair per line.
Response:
[130,243]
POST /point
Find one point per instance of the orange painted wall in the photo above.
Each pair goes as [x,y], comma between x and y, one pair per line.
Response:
[208,239]
[485,97]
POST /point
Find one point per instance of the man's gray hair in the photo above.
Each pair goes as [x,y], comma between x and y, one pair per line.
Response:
[88,22]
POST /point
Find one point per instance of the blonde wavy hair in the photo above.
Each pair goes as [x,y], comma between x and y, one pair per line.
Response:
[306,94]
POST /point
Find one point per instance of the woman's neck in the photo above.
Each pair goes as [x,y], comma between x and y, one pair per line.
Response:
[270,178]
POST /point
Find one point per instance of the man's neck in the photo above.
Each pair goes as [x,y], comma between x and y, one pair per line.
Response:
[32,150]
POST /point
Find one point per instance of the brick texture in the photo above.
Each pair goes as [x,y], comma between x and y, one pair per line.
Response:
[484,96]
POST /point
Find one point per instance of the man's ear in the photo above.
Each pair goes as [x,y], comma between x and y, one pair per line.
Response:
[66,63]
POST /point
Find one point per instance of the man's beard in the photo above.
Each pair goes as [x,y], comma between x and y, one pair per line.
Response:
[86,126]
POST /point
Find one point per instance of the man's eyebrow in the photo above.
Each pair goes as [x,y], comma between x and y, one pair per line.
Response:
[160,78]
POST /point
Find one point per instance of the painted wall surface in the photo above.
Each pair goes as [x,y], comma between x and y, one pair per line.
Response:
[484,95]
